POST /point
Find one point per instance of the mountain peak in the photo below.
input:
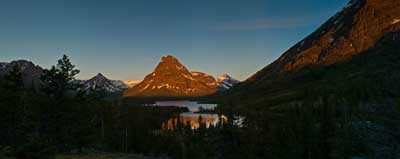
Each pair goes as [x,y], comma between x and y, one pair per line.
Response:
[226,82]
[100,82]
[168,58]
[171,78]
[170,65]
[100,75]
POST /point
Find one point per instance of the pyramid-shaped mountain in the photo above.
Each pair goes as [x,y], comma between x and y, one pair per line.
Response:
[171,78]
[226,82]
[102,83]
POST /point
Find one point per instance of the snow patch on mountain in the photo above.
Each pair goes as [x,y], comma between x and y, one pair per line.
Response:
[196,73]
[147,86]
[189,77]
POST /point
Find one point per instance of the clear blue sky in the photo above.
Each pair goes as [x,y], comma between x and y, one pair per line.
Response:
[125,39]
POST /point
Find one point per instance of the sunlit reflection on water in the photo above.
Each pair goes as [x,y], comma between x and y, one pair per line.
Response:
[194,120]
[193,106]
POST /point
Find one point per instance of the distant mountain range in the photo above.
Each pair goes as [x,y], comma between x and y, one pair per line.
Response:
[171,78]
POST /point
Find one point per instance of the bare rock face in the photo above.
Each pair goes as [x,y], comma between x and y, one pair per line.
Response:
[354,29]
[171,78]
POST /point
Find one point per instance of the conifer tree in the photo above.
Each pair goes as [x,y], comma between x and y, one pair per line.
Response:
[58,79]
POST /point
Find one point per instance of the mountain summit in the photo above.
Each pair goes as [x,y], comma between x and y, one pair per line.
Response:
[226,82]
[171,78]
[100,82]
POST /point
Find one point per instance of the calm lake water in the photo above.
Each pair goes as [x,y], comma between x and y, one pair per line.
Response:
[190,117]
[193,106]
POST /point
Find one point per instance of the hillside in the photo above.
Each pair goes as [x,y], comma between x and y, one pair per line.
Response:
[347,35]
[353,30]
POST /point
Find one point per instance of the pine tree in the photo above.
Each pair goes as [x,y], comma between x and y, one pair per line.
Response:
[58,79]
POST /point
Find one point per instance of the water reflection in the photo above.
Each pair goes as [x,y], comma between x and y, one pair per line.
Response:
[193,120]
[193,106]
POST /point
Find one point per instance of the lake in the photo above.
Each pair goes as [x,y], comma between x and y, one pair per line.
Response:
[193,106]
[190,117]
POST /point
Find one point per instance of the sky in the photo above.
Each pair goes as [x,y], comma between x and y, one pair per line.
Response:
[125,39]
